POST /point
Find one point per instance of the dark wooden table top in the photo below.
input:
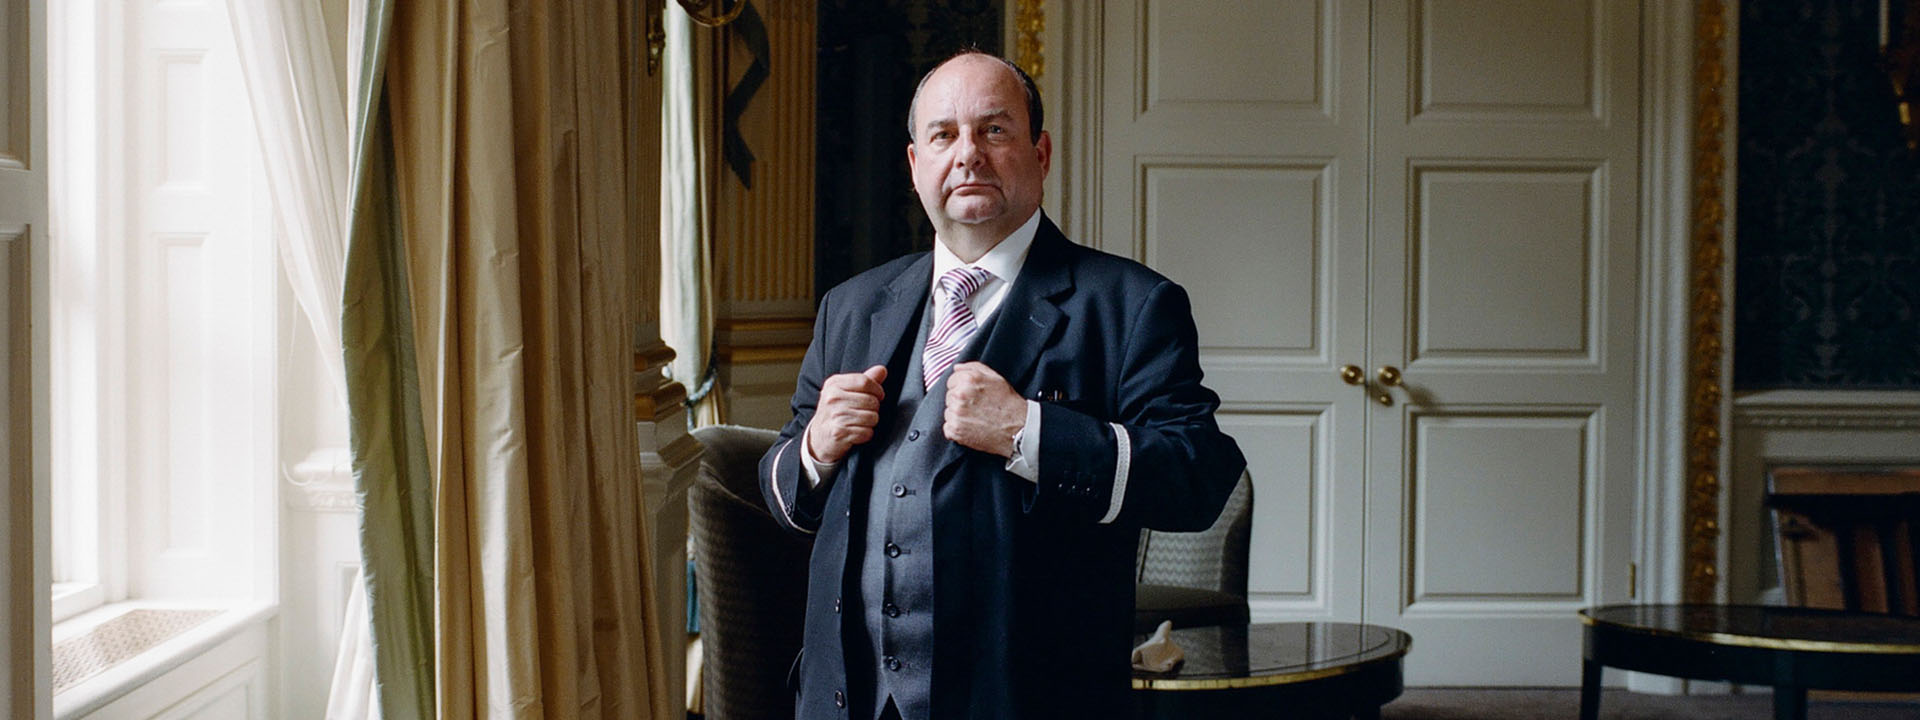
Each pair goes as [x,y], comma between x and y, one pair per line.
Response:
[1770,627]
[1264,654]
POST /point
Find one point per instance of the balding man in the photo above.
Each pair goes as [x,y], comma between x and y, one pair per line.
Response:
[980,432]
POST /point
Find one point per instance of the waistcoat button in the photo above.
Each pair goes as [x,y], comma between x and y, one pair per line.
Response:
[913,435]
[899,490]
[893,663]
[893,551]
[893,610]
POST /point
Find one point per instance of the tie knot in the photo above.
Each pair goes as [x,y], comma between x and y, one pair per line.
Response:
[961,282]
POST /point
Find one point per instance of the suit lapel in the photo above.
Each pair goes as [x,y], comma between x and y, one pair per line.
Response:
[897,310]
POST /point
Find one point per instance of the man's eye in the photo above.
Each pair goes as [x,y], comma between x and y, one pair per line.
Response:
[995,129]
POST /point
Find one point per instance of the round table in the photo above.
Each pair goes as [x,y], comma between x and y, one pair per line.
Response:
[1791,649]
[1295,670]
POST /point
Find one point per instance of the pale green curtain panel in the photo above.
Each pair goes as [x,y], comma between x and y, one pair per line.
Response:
[389,448]
[503,226]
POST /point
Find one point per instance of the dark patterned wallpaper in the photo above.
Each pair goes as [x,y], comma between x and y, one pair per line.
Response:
[1827,265]
[872,54]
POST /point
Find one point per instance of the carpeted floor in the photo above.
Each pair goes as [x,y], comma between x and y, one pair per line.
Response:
[1532,704]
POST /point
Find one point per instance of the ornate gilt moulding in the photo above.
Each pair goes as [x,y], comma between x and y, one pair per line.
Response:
[1707,302]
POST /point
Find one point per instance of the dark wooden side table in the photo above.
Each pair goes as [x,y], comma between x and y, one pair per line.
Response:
[1791,649]
[1292,670]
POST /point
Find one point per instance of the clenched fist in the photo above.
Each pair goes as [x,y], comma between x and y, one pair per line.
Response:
[849,408]
[983,411]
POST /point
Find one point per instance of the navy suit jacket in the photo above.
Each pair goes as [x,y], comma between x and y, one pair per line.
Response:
[1033,596]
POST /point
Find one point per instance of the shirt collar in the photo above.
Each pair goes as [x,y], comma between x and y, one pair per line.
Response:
[1004,260]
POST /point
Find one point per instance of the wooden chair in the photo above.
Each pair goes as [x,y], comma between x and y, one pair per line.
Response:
[1846,537]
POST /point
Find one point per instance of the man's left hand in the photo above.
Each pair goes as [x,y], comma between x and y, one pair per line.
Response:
[983,411]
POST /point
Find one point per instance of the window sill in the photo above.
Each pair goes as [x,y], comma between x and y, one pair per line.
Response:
[125,676]
[72,599]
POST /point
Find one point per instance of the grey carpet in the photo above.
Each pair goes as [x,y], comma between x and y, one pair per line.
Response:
[1531,704]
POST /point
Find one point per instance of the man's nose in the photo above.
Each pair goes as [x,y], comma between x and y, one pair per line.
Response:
[966,152]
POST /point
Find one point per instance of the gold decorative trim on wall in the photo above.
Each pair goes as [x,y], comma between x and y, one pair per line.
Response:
[1030,22]
[1707,302]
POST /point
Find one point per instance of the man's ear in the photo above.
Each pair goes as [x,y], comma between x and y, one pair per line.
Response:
[910,159]
[1044,146]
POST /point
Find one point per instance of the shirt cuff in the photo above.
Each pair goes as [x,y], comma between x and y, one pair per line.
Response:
[1122,464]
[818,473]
[1026,447]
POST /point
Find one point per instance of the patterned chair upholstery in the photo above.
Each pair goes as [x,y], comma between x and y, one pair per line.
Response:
[1197,579]
[752,580]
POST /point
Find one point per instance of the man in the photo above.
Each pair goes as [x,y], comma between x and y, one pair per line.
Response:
[980,432]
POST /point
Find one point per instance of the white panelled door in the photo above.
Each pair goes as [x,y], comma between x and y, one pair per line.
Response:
[24,669]
[1445,189]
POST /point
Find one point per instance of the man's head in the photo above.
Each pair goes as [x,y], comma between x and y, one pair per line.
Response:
[978,155]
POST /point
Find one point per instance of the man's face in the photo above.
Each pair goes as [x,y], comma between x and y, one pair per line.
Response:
[973,160]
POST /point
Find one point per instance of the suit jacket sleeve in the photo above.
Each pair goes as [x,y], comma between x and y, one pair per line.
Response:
[783,482]
[1181,468]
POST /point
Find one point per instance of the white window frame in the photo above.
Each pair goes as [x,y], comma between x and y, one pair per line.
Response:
[120,532]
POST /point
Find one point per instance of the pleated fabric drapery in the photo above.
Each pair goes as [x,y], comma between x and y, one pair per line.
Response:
[493,295]
[686,235]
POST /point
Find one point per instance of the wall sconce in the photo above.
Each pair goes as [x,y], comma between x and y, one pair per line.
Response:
[656,24]
[1901,56]
[694,9]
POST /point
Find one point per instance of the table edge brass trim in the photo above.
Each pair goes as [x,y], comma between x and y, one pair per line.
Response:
[1140,683]
[1733,640]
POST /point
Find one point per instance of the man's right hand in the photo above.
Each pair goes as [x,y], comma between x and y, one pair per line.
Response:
[849,408]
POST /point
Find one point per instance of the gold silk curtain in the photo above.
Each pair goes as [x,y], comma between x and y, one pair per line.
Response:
[511,270]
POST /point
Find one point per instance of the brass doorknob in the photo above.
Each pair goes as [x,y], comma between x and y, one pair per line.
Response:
[1352,375]
[1388,375]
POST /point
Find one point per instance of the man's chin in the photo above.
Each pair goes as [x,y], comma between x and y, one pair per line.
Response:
[975,214]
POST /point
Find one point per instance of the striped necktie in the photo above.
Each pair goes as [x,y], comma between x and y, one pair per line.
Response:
[956,321]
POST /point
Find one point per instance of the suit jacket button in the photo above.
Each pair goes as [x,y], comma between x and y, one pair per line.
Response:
[893,551]
[899,490]
[836,606]
[839,699]
[913,435]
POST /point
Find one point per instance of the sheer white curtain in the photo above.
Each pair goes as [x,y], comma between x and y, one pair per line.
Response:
[296,93]
[297,104]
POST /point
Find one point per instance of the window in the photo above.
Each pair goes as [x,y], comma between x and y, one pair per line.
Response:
[163,312]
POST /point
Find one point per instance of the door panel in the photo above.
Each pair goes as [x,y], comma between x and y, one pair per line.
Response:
[1290,510]
[1504,58]
[1264,216]
[1482,238]
[1495,507]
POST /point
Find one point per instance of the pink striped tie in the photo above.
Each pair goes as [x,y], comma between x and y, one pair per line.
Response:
[956,321]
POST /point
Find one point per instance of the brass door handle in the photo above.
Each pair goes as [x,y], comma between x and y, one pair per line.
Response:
[1388,375]
[1352,375]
